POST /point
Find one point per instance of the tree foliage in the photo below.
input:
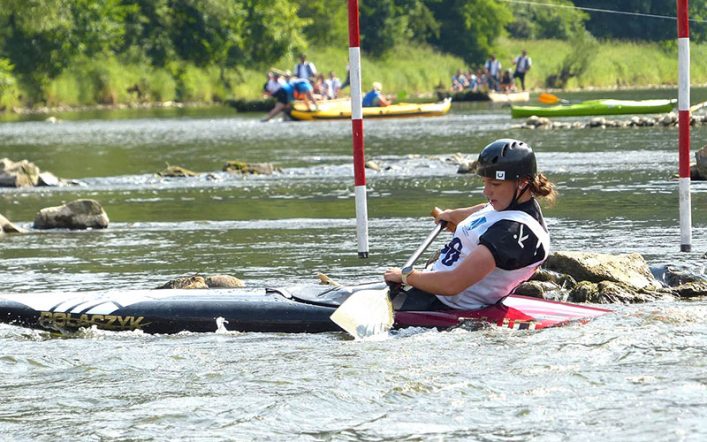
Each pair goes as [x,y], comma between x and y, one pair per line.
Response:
[547,21]
[39,39]
[634,27]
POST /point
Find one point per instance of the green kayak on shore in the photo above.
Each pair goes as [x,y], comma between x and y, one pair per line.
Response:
[595,107]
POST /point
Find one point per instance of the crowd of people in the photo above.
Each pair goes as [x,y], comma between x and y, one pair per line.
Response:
[492,77]
[305,83]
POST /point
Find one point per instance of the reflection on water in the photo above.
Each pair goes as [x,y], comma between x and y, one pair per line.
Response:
[631,375]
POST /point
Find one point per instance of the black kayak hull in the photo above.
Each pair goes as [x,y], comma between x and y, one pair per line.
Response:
[300,309]
[174,311]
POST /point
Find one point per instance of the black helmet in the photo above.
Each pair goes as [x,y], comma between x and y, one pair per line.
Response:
[507,159]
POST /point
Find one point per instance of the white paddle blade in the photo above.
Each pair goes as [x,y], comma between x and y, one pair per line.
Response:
[365,313]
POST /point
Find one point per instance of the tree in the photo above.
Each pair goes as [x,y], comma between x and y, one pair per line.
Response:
[327,20]
[468,28]
[621,26]
[547,21]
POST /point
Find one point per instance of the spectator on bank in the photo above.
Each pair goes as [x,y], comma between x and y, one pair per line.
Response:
[459,81]
[332,86]
[347,81]
[483,80]
[493,72]
[305,69]
[507,81]
[472,81]
[523,63]
[319,87]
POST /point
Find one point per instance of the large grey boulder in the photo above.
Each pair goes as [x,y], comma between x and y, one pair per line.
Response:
[79,214]
[601,278]
[630,269]
[18,174]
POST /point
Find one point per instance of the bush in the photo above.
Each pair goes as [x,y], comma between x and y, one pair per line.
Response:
[9,91]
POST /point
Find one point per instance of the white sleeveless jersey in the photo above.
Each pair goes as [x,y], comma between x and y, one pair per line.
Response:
[499,283]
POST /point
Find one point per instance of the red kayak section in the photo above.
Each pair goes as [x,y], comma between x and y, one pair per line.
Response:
[515,312]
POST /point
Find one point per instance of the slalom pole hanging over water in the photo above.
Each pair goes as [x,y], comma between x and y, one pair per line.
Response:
[684,125]
[357,130]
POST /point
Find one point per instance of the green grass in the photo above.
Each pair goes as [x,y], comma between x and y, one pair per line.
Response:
[616,64]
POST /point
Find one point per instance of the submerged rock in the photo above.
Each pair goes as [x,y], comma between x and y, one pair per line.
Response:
[79,214]
[250,168]
[187,282]
[204,282]
[611,292]
[6,226]
[176,172]
[224,282]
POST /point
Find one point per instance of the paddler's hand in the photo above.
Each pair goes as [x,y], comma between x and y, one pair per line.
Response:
[444,215]
[392,275]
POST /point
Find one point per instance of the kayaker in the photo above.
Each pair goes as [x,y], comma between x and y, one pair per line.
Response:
[495,246]
[374,98]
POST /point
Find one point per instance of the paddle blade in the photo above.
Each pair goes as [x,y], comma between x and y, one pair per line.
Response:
[365,313]
[548,98]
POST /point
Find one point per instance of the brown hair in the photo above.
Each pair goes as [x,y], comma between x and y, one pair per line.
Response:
[541,186]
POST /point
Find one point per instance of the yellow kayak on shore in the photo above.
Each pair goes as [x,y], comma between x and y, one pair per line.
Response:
[341,109]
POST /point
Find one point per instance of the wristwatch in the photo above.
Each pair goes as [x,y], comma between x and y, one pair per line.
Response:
[405,272]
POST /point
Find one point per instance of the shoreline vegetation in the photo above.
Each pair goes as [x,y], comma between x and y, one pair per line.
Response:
[410,72]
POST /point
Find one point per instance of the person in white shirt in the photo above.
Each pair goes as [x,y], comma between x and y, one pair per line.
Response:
[493,72]
[523,63]
[305,69]
[332,86]
[496,246]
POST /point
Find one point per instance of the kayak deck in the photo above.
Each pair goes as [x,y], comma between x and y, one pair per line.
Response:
[302,309]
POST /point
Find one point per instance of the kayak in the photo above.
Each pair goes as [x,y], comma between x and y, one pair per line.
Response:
[595,107]
[492,96]
[299,309]
[341,109]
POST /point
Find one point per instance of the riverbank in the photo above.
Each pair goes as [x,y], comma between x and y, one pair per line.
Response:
[412,73]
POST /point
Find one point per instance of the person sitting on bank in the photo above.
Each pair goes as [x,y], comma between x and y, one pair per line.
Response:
[507,82]
[332,86]
[374,98]
[496,245]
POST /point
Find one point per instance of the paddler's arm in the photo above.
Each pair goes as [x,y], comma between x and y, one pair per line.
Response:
[473,269]
[455,216]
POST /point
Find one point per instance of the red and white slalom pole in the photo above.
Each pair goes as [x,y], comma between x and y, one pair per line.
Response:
[357,129]
[684,125]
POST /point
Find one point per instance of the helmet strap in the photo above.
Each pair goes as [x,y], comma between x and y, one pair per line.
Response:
[517,193]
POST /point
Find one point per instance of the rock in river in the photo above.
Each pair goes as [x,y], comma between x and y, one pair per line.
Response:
[79,214]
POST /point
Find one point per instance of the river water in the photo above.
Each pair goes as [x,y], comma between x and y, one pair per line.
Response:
[637,374]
